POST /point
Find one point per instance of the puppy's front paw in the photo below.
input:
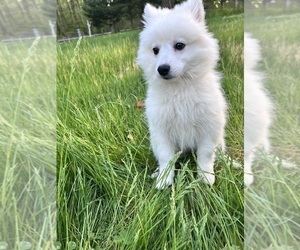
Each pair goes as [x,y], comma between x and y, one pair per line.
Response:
[208,178]
[248,179]
[163,181]
[155,174]
[236,164]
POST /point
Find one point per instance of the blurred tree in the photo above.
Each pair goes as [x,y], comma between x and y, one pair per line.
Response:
[131,10]
[104,12]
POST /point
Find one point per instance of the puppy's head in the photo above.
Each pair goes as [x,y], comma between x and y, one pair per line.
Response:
[175,43]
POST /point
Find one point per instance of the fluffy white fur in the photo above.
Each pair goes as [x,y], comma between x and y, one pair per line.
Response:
[185,107]
[258,108]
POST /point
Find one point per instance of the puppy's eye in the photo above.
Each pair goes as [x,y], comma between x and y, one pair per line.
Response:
[179,46]
[155,50]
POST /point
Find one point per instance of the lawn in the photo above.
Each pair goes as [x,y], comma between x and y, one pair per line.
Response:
[106,198]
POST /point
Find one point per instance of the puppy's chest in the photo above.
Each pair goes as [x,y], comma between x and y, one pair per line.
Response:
[188,113]
[180,113]
[183,122]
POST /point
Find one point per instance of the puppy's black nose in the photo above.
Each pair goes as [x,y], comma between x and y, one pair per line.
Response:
[164,69]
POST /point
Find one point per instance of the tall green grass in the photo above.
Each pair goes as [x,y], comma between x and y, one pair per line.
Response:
[27,145]
[106,198]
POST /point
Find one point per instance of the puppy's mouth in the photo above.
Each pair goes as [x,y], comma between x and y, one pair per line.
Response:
[168,77]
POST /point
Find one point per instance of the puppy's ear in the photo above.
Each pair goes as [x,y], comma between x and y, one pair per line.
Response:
[195,7]
[150,12]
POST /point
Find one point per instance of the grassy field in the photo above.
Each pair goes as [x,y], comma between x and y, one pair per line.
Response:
[106,198]
[27,145]
[272,205]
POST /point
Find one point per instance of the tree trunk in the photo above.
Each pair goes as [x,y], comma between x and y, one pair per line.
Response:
[223,3]
[59,30]
[130,14]
[131,23]
[61,19]
[73,10]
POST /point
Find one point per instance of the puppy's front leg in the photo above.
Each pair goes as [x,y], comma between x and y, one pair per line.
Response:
[205,161]
[164,152]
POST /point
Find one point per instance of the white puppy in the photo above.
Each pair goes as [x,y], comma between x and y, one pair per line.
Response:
[185,107]
[258,108]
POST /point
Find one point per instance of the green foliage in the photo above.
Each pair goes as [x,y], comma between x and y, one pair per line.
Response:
[103,12]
